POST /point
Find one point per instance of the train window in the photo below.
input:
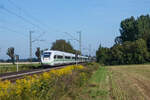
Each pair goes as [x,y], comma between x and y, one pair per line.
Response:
[73,58]
[60,57]
[46,54]
[67,57]
[55,57]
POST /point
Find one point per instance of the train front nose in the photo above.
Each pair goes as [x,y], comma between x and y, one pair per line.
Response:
[46,58]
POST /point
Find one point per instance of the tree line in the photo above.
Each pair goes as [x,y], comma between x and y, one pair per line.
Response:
[132,46]
[60,45]
[14,57]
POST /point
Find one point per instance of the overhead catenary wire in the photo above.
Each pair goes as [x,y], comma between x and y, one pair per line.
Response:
[4,21]
[26,13]
[71,36]
[21,17]
[27,20]
[33,18]
[11,30]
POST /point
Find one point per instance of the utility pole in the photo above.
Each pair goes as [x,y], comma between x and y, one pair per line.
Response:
[89,50]
[17,59]
[30,43]
[80,42]
[0,50]
[30,37]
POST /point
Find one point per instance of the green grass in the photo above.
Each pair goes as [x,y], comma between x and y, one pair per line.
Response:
[13,68]
[99,76]
[97,87]
[127,82]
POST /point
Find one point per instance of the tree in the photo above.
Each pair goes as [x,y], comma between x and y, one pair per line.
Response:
[143,23]
[102,55]
[140,52]
[127,53]
[38,53]
[143,26]
[128,30]
[10,53]
[135,52]
[132,46]
[62,45]
[132,29]
[117,54]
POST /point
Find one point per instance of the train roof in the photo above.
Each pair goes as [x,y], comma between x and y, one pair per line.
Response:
[66,53]
[60,52]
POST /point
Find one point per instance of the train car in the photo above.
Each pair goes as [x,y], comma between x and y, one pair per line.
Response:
[52,58]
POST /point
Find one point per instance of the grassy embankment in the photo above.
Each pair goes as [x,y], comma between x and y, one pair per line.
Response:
[58,84]
[12,68]
[128,82]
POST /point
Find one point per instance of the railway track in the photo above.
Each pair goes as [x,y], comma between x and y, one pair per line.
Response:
[21,74]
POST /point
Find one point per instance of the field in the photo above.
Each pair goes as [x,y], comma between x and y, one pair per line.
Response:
[130,82]
[12,68]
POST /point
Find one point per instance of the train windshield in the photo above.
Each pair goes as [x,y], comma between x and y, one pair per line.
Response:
[46,54]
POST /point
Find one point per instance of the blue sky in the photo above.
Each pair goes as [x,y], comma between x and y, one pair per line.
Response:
[99,21]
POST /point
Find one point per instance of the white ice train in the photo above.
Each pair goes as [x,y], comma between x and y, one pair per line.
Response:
[52,58]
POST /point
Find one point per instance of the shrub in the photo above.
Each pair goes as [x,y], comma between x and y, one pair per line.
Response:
[51,85]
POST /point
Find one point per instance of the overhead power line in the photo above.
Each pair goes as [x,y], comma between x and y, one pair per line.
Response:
[32,17]
[26,13]
[11,30]
[71,36]
[79,40]
[19,16]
